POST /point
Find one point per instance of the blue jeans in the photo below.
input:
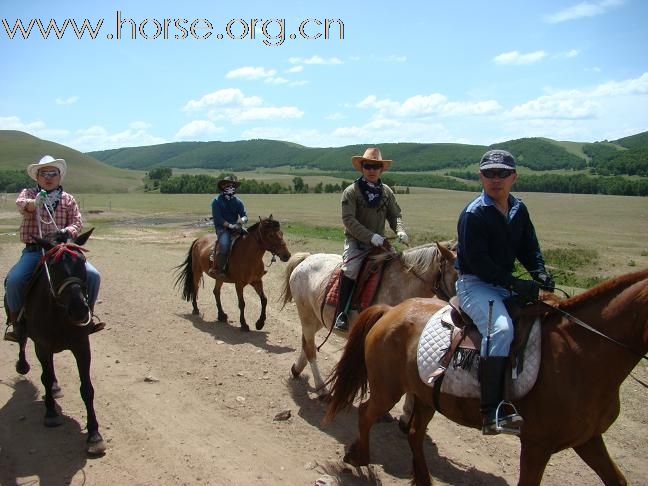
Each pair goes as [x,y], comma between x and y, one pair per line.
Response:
[474,295]
[20,273]
[224,241]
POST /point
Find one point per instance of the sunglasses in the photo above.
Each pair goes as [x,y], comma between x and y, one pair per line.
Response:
[48,173]
[372,166]
[499,173]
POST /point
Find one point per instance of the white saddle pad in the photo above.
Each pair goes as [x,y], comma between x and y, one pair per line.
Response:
[463,381]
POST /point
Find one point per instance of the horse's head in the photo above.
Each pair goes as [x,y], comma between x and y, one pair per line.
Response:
[448,272]
[434,264]
[271,238]
[65,270]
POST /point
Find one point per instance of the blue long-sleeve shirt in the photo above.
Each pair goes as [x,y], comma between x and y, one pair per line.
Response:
[489,241]
[226,210]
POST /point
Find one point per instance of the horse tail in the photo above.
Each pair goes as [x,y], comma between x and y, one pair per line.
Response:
[184,277]
[296,259]
[350,374]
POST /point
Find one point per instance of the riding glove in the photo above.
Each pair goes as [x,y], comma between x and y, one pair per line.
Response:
[528,289]
[244,219]
[377,240]
[235,227]
[546,281]
[402,237]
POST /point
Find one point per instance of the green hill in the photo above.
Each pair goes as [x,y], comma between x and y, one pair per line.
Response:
[85,173]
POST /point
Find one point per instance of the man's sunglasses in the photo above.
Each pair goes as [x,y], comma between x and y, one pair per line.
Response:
[372,166]
[48,173]
[499,173]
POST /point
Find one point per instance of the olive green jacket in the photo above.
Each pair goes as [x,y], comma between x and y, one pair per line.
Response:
[361,221]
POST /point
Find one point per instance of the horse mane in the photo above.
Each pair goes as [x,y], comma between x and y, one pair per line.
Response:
[256,225]
[608,286]
[420,258]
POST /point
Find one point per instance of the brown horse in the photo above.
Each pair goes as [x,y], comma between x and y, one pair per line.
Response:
[573,402]
[245,266]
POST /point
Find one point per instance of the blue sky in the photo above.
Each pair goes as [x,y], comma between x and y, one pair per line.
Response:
[410,71]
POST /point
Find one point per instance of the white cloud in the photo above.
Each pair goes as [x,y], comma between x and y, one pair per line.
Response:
[315,60]
[67,101]
[295,69]
[99,138]
[580,104]
[252,73]
[421,106]
[15,123]
[233,105]
[198,130]
[515,57]
[335,116]
[582,10]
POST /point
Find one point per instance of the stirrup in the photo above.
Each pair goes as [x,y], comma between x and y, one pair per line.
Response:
[506,424]
[342,322]
[96,326]
[11,336]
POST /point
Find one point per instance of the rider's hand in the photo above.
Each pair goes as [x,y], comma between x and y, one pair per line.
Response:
[244,219]
[377,240]
[528,289]
[39,199]
[61,236]
[402,237]
[235,227]
[546,281]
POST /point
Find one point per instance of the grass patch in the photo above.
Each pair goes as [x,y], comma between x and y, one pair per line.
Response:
[301,230]
[565,265]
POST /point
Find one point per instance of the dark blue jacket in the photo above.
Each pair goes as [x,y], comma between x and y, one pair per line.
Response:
[489,242]
[226,210]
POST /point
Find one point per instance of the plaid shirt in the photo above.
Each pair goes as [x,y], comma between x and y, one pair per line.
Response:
[66,216]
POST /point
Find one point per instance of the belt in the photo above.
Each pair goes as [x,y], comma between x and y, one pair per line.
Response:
[31,247]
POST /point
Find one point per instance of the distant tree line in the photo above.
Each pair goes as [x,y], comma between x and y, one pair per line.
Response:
[14,180]
[606,159]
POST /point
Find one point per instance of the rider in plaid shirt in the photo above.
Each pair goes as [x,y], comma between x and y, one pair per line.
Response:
[45,209]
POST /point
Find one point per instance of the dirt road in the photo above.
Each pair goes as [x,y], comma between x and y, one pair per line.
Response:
[188,400]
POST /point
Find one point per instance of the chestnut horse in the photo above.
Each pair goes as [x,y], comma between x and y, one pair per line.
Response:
[245,266]
[56,317]
[423,271]
[573,402]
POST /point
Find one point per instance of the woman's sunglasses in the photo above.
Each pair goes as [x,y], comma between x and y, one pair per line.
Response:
[499,173]
[372,166]
[48,173]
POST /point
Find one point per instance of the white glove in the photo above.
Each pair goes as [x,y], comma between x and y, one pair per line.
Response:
[402,237]
[377,240]
[244,219]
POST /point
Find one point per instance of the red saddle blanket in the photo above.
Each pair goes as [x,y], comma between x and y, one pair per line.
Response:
[366,286]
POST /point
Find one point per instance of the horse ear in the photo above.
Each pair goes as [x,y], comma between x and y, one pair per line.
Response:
[81,239]
[445,252]
[270,217]
[45,244]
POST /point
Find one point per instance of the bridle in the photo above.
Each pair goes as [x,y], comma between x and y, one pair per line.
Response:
[258,236]
[437,282]
[56,253]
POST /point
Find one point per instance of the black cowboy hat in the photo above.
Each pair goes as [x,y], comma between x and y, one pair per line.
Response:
[230,179]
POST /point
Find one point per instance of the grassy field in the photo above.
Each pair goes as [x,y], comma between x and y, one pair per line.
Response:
[587,237]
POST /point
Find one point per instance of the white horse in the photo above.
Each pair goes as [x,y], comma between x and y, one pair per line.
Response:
[424,271]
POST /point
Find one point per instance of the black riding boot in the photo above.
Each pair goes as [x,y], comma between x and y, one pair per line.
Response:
[222,265]
[346,288]
[491,375]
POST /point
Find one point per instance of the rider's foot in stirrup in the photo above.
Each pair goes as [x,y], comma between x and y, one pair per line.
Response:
[96,325]
[11,335]
[342,322]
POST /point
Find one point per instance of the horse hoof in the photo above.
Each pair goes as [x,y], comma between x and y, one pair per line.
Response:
[195,312]
[403,424]
[245,328]
[222,317]
[259,325]
[22,367]
[95,445]
[294,371]
[53,421]
[56,391]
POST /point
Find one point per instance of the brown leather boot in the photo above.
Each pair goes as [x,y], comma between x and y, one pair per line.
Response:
[13,331]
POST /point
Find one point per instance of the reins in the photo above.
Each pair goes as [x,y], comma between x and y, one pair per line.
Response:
[577,321]
[259,239]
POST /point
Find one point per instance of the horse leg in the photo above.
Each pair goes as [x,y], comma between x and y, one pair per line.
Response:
[258,286]
[46,358]
[309,353]
[422,414]
[22,366]
[408,410]
[596,456]
[533,461]
[82,354]
[222,317]
[379,403]
[241,304]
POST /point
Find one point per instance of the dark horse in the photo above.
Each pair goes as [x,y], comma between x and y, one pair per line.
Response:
[245,266]
[56,317]
[573,402]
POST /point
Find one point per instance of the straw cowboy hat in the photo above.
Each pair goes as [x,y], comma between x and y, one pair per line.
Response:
[47,161]
[230,179]
[370,155]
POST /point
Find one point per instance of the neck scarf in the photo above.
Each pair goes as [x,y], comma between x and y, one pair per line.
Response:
[371,192]
[52,198]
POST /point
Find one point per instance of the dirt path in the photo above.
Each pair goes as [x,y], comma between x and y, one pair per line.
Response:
[207,416]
